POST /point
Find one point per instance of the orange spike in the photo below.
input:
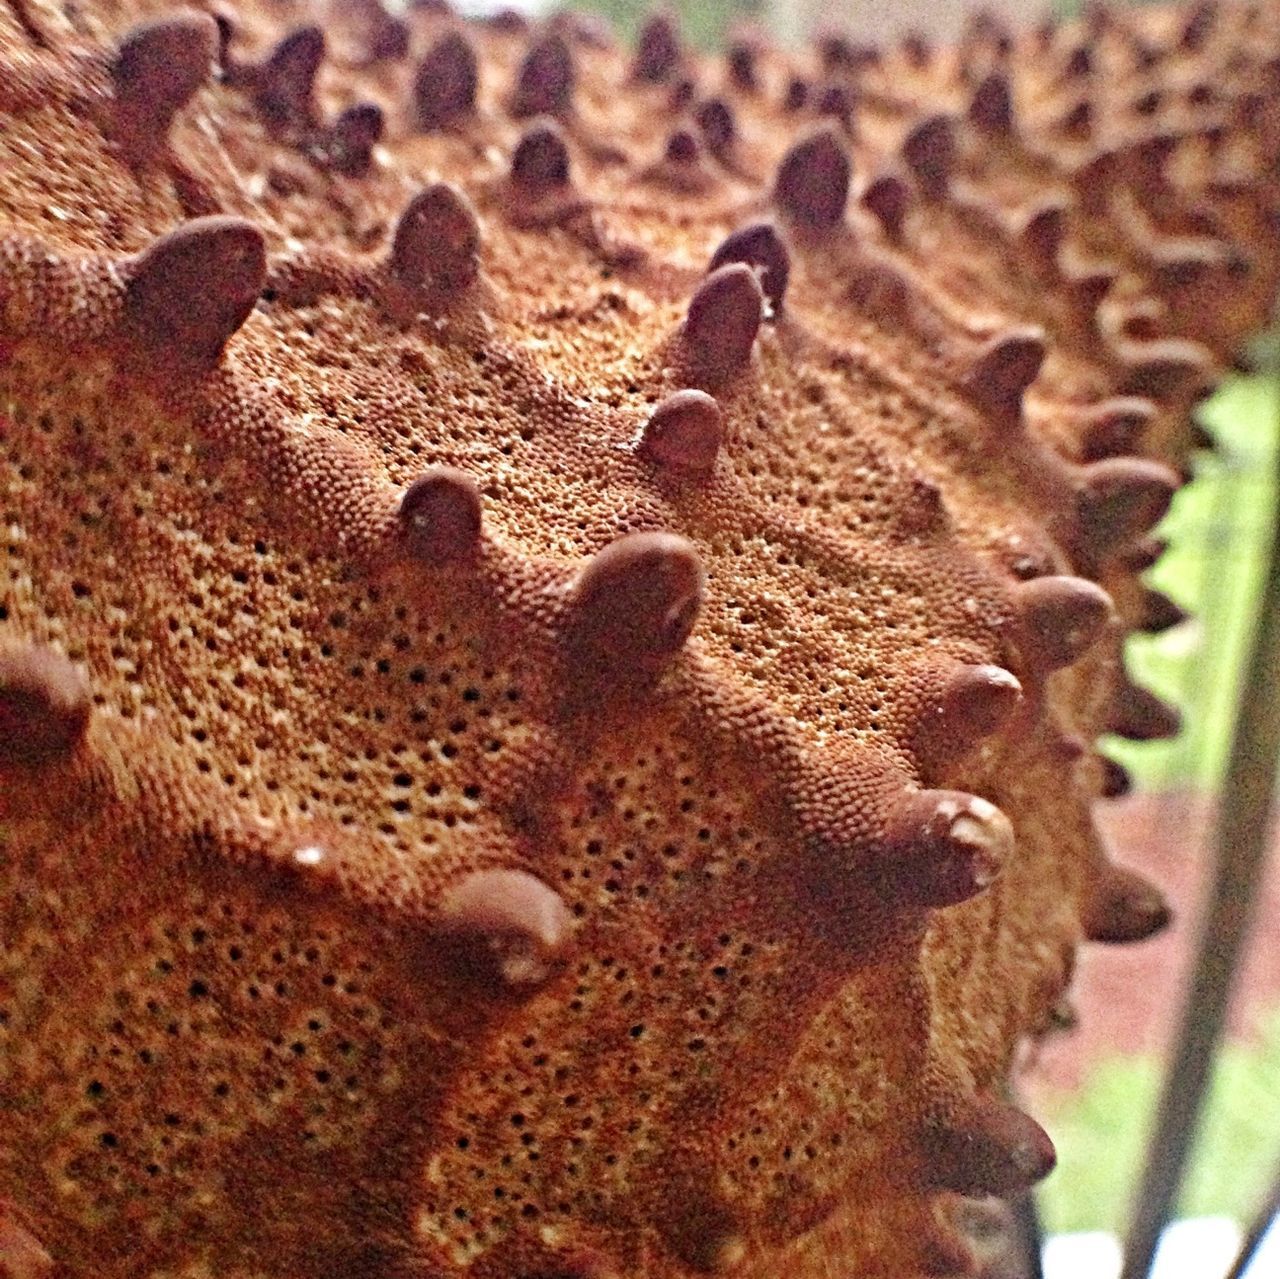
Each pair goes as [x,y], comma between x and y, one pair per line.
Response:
[1115,778]
[445,83]
[156,71]
[1003,371]
[719,129]
[991,107]
[812,184]
[437,241]
[440,516]
[703,1234]
[1158,613]
[540,162]
[987,1148]
[635,603]
[513,929]
[929,153]
[760,247]
[1115,426]
[1138,714]
[722,322]
[190,291]
[286,81]
[546,80]
[1061,619]
[684,433]
[974,703]
[349,147]
[888,198]
[657,50]
[942,847]
[1043,232]
[44,705]
[1120,498]
[1121,907]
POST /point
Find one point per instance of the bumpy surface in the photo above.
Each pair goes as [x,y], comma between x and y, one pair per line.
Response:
[555,603]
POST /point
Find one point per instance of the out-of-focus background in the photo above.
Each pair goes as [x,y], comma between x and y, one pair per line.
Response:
[1096,1088]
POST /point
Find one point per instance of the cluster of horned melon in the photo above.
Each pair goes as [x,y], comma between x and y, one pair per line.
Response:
[555,604]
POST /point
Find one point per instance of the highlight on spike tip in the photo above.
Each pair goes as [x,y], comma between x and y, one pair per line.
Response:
[812,183]
[987,1147]
[440,516]
[721,324]
[942,847]
[512,928]
[1061,618]
[684,433]
[192,289]
[436,244]
[635,603]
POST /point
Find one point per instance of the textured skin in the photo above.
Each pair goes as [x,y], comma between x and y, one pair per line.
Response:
[404,877]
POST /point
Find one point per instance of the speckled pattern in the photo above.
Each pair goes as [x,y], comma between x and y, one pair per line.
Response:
[556,599]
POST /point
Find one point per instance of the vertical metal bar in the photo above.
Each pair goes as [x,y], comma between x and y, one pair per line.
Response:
[1262,1223]
[1240,840]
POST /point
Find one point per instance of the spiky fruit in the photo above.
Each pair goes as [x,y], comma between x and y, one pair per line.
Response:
[553,596]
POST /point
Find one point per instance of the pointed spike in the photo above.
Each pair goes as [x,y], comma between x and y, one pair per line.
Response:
[719,129]
[389,38]
[974,703]
[1004,369]
[683,147]
[440,516]
[837,102]
[1120,498]
[742,67]
[684,433]
[445,83]
[839,55]
[703,1233]
[812,184]
[193,288]
[355,133]
[546,80]
[156,71]
[1138,714]
[514,928]
[1061,618]
[1043,233]
[887,199]
[1141,555]
[988,1148]
[1167,367]
[761,248]
[991,107]
[1198,26]
[796,97]
[681,95]
[942,847]
[436,245]
[1159,613]
[917,49]
[1123,907]
[1115,778]
[1115,426]
[45,705]
[1079,63]
[658,52]
[540,162]
[1149,103]
[287,85]
[1088,289]
[635,603]
[1078,122]
[722,322]
[929,153]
